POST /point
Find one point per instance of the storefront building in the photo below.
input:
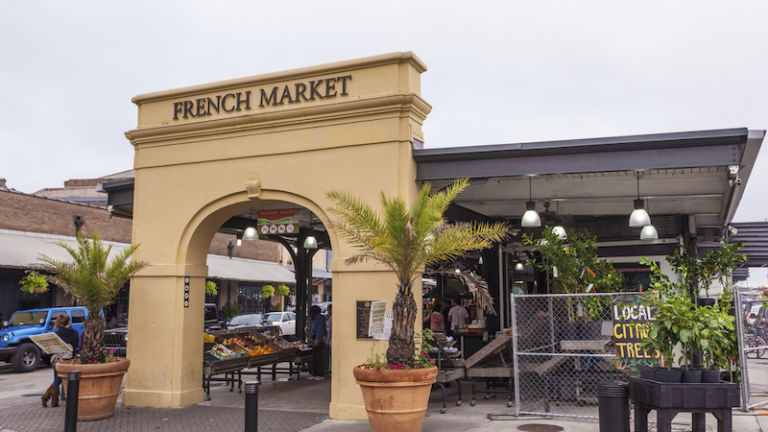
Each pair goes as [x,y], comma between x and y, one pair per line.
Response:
[207,157]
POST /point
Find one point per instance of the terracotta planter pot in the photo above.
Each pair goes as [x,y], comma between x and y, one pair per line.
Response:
[99,387]
[396,400]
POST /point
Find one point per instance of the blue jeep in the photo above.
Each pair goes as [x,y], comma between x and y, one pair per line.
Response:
[15,345]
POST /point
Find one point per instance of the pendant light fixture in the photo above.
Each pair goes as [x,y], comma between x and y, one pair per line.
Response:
[519,267]
[559,230]
[530,218]
[639,217]
[480,261]
[250,233]
[310,242]
[649,231]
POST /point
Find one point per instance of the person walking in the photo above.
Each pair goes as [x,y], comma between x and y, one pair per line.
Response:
[69,336]
[318,337]
[435,319]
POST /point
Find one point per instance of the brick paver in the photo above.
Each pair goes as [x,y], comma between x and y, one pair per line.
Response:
[31,417]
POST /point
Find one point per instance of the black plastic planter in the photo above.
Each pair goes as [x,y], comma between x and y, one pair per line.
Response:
[710,376]
[692,376]
[669,375]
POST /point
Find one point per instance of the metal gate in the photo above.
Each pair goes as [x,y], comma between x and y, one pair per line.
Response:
[752,326]
[562,351]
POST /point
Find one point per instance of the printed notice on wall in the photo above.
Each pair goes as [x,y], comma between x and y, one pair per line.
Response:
[388,316]
[377,318]
[631,321]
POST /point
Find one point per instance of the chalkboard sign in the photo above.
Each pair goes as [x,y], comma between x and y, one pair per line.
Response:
[631,319]
[362,317]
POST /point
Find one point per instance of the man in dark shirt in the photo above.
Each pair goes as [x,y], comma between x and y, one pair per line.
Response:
[318,335]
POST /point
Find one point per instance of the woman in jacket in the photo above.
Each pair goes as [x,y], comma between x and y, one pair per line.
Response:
[69,336]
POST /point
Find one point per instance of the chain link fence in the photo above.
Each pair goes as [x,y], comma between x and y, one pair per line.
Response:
[753,349]
[562,351]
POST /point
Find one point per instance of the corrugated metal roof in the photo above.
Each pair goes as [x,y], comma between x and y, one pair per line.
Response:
[754,235]
[20,249]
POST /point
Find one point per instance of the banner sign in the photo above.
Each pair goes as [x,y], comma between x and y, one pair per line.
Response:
[279,221]
[631,320]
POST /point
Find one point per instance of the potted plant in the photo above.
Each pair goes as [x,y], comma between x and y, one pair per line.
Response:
[94,281]
[34,283]
[573,267]
[396,388]
[704,333]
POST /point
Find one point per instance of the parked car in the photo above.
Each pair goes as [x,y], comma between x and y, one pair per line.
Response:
[116,339]
[285,320]
[247,320]
[212,321]
[15,345]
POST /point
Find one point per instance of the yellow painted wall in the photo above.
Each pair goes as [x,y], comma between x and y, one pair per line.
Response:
[191,177]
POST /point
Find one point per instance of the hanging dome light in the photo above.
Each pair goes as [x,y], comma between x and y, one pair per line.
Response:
[639,216]
[530,218]
[559,231]
[649,233]
[480,261]
[250,233]
[310,242]
[519,267]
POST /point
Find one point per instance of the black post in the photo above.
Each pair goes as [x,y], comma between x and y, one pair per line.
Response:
[73,391]
[613,406]
[252,406]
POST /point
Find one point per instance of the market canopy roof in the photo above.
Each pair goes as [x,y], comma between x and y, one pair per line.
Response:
[701,173]
[20,249]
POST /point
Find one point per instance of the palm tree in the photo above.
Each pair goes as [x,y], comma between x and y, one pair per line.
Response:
[406,241]
[94,283]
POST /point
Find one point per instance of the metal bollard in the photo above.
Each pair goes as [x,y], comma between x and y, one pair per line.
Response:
[73,391]
[252,406]
[613,406]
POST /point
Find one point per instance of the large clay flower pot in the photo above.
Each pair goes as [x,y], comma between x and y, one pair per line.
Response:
[396,400]
[99,387]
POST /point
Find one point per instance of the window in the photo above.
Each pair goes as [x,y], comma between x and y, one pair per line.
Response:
[286,317]
[78,316]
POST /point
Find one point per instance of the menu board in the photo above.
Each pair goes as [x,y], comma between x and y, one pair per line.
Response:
[363,313]
[631,319]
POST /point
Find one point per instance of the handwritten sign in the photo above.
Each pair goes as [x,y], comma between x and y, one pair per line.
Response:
[51,343]
[631,319]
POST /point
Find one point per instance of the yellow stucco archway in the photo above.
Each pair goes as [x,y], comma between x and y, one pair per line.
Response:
[206,153]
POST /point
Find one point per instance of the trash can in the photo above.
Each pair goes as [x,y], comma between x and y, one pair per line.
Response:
[613,406]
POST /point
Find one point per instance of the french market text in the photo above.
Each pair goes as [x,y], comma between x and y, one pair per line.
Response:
[278,95]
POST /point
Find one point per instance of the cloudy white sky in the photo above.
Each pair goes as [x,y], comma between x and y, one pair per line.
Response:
[499,72]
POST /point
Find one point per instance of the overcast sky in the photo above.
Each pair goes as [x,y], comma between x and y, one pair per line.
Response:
[499,72]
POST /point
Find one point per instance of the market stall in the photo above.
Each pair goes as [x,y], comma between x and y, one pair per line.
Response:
[230,353]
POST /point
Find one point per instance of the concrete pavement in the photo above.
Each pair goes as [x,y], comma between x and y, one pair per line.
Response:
[283,407]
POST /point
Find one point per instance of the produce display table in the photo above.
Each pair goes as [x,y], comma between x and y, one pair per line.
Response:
[232,352]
